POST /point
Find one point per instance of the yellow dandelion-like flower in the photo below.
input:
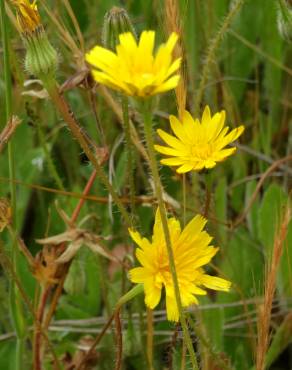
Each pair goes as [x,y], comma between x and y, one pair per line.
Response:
[191,249]
[197,145]
[27,15]
[133,69]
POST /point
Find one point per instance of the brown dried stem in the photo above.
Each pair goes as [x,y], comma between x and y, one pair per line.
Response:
[8,131]
[150,333]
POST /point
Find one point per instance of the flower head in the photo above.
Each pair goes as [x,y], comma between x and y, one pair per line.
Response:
[27,16]
[191,249]
[133,69]
[197,145]
[41,58]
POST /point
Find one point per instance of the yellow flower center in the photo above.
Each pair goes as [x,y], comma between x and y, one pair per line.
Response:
[163,275]
[202,151]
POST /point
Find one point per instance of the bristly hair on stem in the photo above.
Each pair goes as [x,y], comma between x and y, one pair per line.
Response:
[147,115]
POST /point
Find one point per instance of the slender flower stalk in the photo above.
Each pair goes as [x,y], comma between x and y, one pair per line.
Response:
[130,157]
[147,114]
[16,306]
[116,22]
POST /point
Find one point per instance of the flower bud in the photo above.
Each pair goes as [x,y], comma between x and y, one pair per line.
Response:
[116,21]
[5,213]
[41,58]
[284,18]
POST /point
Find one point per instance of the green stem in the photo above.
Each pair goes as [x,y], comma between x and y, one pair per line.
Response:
[129,147]
[15,299]
[68,116]
[147,113]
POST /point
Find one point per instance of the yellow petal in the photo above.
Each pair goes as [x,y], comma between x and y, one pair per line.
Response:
[222,154]
[138,275]
[127,40]
[152,294]
[232,136]
[136,236]
[169,84]
[178,129]
[206,117]
[185,168]
[174,67]
[216,283]
[100,57]
[171,309]
[172,161]
[146,43]
[171,42]
[171,140]
[167,150]
[193,229]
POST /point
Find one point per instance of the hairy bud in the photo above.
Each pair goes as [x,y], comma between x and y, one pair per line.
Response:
[41,58]
[116,21]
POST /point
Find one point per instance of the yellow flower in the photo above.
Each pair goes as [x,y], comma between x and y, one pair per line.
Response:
[191,249]
[27,15]
[197,145]
[133,69]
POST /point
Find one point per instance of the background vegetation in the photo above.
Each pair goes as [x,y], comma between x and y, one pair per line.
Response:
[237,60]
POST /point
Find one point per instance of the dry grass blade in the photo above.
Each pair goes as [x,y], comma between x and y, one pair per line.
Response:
[172,23]
[264,315]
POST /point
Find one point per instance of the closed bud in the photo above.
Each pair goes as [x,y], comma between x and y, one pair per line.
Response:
[284,18]
[41,58]
[116,21]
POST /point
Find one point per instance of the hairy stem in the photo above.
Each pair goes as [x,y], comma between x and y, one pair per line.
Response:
[147,113]
[129,148]
[79,135]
